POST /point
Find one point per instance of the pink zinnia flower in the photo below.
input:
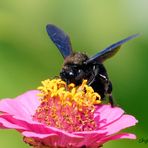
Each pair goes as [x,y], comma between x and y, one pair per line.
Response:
[65,116]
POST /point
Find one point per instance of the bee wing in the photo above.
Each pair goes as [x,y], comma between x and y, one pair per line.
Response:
[110,50]
[60,39]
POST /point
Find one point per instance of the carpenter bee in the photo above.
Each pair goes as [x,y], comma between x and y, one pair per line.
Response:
[78,66]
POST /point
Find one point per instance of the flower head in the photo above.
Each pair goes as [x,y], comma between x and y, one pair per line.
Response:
[61,115]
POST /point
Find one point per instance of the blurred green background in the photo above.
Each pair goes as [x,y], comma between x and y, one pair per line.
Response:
[27,56]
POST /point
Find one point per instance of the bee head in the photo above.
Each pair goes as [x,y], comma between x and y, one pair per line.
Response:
[73,70]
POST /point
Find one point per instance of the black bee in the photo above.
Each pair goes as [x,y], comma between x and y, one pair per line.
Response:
[78,66]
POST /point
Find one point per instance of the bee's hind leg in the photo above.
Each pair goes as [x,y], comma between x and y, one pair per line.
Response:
[109,91]
[111,100]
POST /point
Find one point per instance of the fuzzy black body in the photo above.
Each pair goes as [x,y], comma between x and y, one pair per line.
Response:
[75,70]
[77,66]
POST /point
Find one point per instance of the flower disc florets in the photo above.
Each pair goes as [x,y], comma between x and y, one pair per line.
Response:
[67,107]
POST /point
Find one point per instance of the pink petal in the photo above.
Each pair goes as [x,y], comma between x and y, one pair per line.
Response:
[38,135]
[43,129]
[36,128]
[55,139]
[46,139]
[23,106]
[12,120]
[6,124]
[38,139]
[122,123]
[106,114]
[115,137]
[91,137]
[39,131]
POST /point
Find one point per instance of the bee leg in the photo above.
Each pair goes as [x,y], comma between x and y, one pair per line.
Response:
[93,76]
[109,91]
[111,100]
[91,80]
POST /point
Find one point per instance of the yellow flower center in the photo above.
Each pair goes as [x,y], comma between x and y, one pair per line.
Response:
[67,107]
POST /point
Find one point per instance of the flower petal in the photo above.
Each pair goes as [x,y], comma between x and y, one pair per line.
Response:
[55,139]
[6,124]
[12,120]
[106,114]
[37,135]
[115,137]
[122,123]
[91,138]
[23,106]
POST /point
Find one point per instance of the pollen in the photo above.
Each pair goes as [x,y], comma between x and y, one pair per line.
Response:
[67,107]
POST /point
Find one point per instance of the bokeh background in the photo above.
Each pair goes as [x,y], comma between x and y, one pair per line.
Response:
[27,56]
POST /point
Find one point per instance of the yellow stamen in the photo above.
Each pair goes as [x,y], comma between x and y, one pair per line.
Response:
[83,94]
